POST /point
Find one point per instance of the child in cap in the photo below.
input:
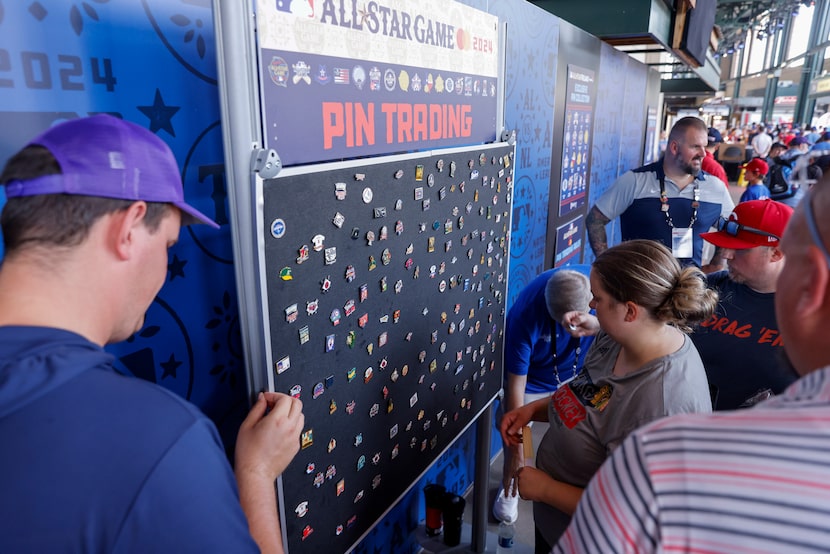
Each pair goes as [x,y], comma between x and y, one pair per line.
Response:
[755,171]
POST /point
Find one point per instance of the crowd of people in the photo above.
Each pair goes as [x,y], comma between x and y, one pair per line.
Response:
[785,159]
[685,392]
[615,472]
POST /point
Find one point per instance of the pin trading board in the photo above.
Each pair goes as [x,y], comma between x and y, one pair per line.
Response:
[384,285]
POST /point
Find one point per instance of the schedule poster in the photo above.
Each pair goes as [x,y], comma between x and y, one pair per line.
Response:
[375,78]
[385,284]
[576,146]
[569,242]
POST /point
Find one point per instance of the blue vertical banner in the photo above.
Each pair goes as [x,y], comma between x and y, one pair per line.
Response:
[607,143]
[342,79]
[576,146]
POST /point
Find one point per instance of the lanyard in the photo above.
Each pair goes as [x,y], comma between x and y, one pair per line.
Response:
[664,202]
[575,346]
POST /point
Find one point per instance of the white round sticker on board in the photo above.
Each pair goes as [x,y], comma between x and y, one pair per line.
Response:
[278,228]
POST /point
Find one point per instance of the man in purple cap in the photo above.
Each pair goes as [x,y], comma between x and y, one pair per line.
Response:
[94,461]
[740,344]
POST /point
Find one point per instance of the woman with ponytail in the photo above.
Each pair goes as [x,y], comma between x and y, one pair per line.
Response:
[641,366]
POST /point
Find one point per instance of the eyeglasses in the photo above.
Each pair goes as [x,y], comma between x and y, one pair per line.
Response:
[733,228]
[811,225]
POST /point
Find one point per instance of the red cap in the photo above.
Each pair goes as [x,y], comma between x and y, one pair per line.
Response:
[766,216]
[757,164]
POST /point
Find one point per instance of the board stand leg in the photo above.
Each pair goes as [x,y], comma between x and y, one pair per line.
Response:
[481,479]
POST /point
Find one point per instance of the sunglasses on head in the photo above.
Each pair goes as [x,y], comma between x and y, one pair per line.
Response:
[733,228]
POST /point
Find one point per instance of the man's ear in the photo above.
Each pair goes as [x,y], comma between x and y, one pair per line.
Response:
[776,254]
[813,291]
[123,227]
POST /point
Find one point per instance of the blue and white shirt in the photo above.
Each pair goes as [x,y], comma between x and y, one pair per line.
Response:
[635,198]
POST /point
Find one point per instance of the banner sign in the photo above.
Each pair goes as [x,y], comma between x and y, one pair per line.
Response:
[376,77]
[576,148]
[569,242]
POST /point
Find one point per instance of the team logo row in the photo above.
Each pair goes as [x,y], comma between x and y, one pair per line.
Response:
[374,79]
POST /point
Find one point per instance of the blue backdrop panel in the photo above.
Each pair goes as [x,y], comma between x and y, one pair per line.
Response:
[610,119]
[153,63]
[633,135]
[530,85]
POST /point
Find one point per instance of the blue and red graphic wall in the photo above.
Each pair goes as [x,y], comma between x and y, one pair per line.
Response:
[153,62]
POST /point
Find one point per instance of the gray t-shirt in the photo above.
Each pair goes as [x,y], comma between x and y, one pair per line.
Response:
[592,414]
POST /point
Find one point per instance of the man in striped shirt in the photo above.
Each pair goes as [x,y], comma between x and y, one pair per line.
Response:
[753,480]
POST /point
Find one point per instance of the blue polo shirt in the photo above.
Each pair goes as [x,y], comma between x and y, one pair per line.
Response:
[537,346]
[94,461]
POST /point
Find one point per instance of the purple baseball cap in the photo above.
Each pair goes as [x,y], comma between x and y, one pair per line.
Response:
[112,158]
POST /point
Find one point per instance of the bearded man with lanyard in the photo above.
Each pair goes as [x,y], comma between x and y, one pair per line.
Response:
[671,201]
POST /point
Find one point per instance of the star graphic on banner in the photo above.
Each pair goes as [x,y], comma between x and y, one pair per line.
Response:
[176,267]
[160,115]
[538,131]
[170,367]
[364,15]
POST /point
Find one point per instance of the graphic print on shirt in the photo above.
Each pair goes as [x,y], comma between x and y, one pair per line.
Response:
[571,401]
[724,325]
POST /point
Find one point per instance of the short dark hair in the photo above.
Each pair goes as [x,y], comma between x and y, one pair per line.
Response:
[60,220]
[678,131]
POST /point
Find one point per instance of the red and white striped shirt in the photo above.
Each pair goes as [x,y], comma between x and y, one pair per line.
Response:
[755,480]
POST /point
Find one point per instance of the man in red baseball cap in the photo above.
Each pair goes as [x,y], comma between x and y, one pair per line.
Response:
[740,345]
[754,172]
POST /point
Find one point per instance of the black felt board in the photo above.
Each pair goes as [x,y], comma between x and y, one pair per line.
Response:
[436,344]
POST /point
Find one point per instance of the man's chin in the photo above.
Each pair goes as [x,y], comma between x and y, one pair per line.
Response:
[736,277]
